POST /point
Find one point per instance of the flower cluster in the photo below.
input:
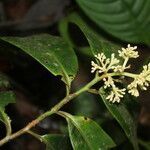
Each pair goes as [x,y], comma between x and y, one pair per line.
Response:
[116,93]
[129,52]
[105,64]
[112,66]
[142,80]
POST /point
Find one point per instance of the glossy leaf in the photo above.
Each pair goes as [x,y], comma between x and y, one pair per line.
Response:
[86,134]
[127,19]
[56,142]
[123,117]
[52,52]
[97,43]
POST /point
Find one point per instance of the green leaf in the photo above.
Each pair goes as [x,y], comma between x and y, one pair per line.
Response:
[97,43]
[85,134]
[63,29]
[4,118]
[126,19]
[123,117]
[56,142]
[5,99]
[50,51]
[86,51]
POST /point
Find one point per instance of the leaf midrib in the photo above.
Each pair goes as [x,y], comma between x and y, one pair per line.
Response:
[84,137]
[63,69]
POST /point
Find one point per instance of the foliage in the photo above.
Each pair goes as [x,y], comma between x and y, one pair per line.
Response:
[127,20]
[57,55]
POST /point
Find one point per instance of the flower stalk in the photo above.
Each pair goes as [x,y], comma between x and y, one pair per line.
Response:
[107,65]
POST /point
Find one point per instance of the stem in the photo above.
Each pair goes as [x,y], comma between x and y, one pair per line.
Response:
[131,75]
[58,106]
[127,74]
[8,128]
[67,90]
[50,112]
[125,62]
[37,136]
[93,91]
[7,122]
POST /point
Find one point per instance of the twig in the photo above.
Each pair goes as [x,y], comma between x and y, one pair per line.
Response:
[50,112]
[37,136]
[58,106]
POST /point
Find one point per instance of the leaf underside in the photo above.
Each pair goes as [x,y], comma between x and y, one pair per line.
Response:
[50,51]
[56,142]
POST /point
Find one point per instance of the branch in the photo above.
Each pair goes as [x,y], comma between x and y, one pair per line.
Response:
[56,108]
[64,101]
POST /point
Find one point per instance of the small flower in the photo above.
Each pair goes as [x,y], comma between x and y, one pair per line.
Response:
[94,67]
[104,64]
[128,52]
[120,68]
[108,82]
[116,94]
[142,80]
[133,91]
[113,67]
[113,62]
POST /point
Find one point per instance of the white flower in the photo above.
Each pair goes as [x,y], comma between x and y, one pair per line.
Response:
[104,64]
[146,72]
[108,82]
[116,94]
[120,68]
[113,67]
[129,52]
[94,67]
[142,80]
[113,62]
[133,91]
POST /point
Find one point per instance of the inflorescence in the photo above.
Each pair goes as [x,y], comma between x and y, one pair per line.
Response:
[113,66]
